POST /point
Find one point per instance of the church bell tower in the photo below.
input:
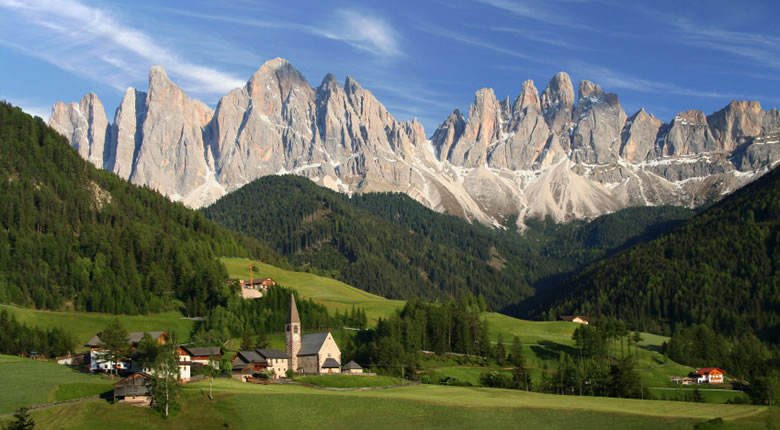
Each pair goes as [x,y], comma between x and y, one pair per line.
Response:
[292,334]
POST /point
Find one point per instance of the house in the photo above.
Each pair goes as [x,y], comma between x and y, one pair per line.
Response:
[95,345]
[709,375]
[575,319]
[277,361]
[202,355]
[71,360]
[352,368]
[135,389]
[310,354]
[254,288]
[97,363]
[246,364]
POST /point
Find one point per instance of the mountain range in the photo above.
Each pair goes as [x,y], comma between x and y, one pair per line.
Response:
[556,154]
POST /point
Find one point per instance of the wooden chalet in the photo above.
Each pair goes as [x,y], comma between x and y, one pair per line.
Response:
[135,389]
[709,375]
[202,355]
[580,319]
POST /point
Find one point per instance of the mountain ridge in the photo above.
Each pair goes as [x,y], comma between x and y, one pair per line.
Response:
[557,153]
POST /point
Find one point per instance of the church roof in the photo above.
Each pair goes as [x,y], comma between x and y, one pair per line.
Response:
[272,353]
[312,343]
[292,315]
[330,363]
[352,365]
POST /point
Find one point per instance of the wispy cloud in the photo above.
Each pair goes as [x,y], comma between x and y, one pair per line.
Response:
[611,80]
[547,38]
[537,11]
[360,29]
[91,42]
[473,41]
[365,32]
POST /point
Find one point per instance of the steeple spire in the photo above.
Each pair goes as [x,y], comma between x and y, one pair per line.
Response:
[292,314]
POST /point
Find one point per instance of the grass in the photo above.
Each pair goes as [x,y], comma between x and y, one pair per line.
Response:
[84,325]
[335,295]
[240,405]
[350,381]
[28,382]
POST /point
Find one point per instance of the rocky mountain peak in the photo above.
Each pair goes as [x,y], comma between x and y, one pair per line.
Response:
[528,98]
[557,102]
[540,154]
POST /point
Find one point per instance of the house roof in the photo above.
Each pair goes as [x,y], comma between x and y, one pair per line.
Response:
[203,351]
[708,370]
[133,337]
[249,357]
[331,363]
[352,365]
[124,381]
[312,343]
[292,314]
[272,353]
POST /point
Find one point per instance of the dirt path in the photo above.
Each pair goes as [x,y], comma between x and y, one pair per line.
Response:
[53,405]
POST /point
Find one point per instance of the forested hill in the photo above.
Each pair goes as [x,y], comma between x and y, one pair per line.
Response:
[390,245]
[75,237]
[719,269]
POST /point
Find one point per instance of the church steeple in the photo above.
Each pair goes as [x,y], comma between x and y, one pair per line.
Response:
[292,334]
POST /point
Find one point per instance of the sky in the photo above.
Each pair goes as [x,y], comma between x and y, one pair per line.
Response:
[421,59]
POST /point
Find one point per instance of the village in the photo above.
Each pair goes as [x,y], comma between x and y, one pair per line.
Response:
[305,354]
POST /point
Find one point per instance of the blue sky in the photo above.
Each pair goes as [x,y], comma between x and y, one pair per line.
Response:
[420,58]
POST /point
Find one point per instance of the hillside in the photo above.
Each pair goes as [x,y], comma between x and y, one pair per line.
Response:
[719,269]
[429,406]
[392,246]
[76,237]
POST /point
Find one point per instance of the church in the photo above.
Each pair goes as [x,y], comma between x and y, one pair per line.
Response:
[309,354]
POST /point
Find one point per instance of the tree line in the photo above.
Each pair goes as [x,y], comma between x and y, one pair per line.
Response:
[75,237]
[20,339]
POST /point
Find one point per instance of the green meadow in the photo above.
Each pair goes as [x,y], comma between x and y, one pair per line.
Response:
[335,295]
[28,382]
[84,325]
[239,405]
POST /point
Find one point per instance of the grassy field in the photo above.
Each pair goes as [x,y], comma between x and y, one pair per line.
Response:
[240,405]
[84,325]
[350,381]
[329,292]
[28,382]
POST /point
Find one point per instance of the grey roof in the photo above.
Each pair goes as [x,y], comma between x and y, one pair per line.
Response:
[331,363]
[133,337]
[352,365]
[250,357]
[292,314]
[312,343]
[204,351]
[272,353]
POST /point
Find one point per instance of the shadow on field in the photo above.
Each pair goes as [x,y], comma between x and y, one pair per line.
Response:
[549,350]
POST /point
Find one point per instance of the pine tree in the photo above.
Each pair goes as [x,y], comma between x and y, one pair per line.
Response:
[23,420]
[116,343]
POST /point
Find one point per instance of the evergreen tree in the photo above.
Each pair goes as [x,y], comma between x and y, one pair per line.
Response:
[22,420]
[116,344]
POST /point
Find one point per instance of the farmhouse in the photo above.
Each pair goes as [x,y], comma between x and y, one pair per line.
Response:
[201,355]
[95,345]
[575,319]
[136,389]
[97,363]
[709,375]
[278,361]
[246,364]
[310,354]
[254,288]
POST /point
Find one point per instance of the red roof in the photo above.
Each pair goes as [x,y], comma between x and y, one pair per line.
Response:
[708,370]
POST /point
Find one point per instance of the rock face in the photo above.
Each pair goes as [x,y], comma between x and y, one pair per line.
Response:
[539,155]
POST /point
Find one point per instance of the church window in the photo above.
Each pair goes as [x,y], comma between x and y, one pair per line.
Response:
[288,328]
[296,329]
